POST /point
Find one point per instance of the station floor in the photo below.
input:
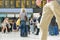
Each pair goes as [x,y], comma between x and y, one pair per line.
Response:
[16,36]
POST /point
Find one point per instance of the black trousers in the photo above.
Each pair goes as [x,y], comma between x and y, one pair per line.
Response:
[0,29]
[37,33]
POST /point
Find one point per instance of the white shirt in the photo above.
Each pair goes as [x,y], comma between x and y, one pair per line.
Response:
[22,15]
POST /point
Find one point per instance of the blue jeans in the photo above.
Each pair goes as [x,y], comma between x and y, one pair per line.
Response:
[32,28]
[23,28]
[23,24]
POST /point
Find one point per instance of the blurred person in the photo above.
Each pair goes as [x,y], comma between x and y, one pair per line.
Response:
[14,26]
[27,25]
[37,28]
[37,24]
[39,18]
[49,10]
[38,3]
[31,26]
[18,23]
[23,16]
[5,25]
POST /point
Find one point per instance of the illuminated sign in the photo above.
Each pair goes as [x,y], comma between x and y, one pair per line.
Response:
[15,10]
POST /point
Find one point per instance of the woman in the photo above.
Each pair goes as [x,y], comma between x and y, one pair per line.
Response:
[23,16]
[5,25]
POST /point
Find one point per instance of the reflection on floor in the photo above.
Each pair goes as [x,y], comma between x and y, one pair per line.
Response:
[16,36]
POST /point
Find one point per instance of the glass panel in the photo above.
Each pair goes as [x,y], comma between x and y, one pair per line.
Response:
[30,3]
[10,15]
[18,3]
[16,15]
[12,3]
[23,4]
[33,4]
[27,5]
[29,15]
[1,4]
[6,4]
[2,15]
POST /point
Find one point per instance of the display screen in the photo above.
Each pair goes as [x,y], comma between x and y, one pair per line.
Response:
[17,3]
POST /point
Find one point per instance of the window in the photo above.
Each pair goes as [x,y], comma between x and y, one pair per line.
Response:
[12,3]
[6,4]
[16,15]
[30,4]
[1,4]
[33,4]
[27,5]
[2,15]
[10,15]
[22,4]
[18,4]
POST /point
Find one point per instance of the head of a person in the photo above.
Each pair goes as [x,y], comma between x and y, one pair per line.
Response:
[38,2]
[7,18]
[23,10]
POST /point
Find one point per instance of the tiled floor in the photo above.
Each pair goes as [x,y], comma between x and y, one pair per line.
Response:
[16,36]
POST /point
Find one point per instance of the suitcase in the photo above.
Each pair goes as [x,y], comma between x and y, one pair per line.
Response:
[56,30]
[53,30]
[53,27]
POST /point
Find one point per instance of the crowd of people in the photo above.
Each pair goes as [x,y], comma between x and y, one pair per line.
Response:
[23,24]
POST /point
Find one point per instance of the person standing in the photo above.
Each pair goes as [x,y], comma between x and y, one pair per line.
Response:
[31,26]
[49,10]
[23,16]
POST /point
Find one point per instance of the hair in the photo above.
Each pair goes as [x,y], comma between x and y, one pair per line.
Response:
[23,9]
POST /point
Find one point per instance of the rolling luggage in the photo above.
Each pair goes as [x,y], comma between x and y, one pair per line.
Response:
[53,30]
[56,30]
[53,27]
